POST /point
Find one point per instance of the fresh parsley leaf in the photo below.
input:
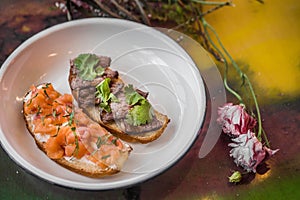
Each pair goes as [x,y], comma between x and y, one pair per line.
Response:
[88,66]
[140,114]
[103,90]
[132,97]
[104,94]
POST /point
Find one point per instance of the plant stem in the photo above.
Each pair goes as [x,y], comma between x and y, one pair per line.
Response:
[256,107]
[246,79]
[212,2]
[265,138]
[205,26]
[242,75]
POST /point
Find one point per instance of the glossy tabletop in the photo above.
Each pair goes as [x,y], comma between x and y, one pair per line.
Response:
[264,40]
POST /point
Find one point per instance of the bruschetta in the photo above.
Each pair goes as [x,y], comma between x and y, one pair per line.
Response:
[119,107]
[68,136]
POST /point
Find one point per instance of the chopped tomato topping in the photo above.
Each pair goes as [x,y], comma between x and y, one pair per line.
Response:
[71,133]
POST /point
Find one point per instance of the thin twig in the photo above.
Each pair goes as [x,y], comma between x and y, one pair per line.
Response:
[144,16]
[69,10]
[228,3]
[122,9]
[178,26]
[106,9]
[219,5]
[205,40]
[212,2]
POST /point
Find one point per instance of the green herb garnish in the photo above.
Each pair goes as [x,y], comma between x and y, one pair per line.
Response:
[106,156]
[39,110]
[71,118]
[141,112]
[132,97]
[30,100]
[45,92]
[54,113]
[89,66]
[58,128]
[104,94]
[100,141]
[114,141]
[76,140]
[46,86]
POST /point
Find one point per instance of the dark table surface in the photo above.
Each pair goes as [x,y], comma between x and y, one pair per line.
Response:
[273,41]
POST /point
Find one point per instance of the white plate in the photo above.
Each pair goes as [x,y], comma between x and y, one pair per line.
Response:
[143,56]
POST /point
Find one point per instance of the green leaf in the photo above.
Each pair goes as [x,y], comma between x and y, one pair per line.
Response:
[88,66]
[103,90]
[140,114]
[235,177]
[104,94]
[105,106]
[132,97]
[113,98]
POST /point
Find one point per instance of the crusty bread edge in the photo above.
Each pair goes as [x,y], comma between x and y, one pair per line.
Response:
[144,137]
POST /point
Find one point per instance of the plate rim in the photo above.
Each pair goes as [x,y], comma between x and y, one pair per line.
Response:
[94,186]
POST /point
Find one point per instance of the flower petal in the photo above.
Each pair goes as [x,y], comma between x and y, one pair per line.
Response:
[248,152]
[235,120]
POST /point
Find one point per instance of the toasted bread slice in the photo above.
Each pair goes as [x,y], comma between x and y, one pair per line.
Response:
[69,137]
[144,137]
[144,133]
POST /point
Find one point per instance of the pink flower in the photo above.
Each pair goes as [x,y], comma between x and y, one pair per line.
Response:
[235,120]
[248,152]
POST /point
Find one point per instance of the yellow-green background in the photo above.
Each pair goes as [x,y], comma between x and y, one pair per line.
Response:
[265,40]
